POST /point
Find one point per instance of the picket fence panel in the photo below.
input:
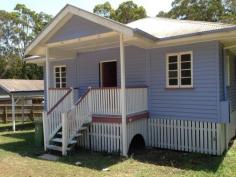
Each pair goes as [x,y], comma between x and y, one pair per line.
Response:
[102,137]
[185,135]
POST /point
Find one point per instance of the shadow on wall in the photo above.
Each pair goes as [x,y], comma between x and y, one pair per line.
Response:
[24,145]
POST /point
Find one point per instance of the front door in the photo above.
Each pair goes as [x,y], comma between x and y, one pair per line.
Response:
[108,74]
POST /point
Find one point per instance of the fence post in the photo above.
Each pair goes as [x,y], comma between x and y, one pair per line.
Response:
[45,128]
[64,133]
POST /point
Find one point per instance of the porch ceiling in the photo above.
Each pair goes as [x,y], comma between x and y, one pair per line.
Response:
[69,48]
[230,44]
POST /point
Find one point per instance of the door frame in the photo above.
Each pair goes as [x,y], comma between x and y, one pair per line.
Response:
[100,70]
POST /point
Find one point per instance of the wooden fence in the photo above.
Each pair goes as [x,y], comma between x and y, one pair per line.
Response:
[22,113]
[102,137]
[182,135]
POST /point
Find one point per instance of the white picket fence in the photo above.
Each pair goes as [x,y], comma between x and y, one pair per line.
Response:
[103,137]
[52,120]
[74,119]
[106,137]
[183,135]
[107,100]
[55,94]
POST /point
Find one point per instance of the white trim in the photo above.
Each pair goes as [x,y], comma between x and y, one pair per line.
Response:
[81,39]
[167,71]
[54,75]
[47,76]
[100,70]
[178,54]
[66,13]
[195,39]
[123,96]
[13,104]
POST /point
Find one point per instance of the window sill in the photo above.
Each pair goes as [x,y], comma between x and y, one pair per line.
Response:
[178,88]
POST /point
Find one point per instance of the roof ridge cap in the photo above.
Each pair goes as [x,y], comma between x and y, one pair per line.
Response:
[195,21]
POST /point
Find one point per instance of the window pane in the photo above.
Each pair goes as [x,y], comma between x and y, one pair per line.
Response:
[185,57]
[63,69]
[58,85]
[173,82]
[63,74]
[173,74]
[63,85]
[186,65]
[58,80]
[63,79]
[186,81]
[173,59]
[57,74]
[173,66]
[186,73]
[57,69]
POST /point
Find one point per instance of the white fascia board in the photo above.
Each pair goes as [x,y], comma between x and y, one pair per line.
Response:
[217,36]
[56,23]
[65,14]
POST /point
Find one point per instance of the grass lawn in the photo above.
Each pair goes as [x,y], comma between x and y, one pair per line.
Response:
[19,157]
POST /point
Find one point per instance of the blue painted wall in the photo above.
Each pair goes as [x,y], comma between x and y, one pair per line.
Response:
[198,103]
[77,27]
[148,67]
[88,66]
[71,75]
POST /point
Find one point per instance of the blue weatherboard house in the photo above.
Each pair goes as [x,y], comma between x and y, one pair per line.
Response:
[171,83]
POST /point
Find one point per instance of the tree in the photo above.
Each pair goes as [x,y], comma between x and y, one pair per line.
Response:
[202,10]
[104,10]
[17,30]
[126,12]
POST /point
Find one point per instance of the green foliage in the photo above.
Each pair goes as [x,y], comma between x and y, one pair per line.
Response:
[17,30]
[126,12]
[104,10]
[202,10]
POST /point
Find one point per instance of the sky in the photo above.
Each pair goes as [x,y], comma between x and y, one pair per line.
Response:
[53,6]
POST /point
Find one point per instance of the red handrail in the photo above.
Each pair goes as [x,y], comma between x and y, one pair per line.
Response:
[59,101]
[83,96]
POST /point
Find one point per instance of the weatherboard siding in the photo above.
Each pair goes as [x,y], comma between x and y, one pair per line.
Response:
[148,67]
[88,66]
[198,103]
[70,72]
[78,27]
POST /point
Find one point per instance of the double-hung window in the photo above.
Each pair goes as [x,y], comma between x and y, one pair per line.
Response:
[179,70]
[60,76]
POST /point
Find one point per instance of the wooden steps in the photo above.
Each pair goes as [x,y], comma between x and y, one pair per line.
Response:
[56,142]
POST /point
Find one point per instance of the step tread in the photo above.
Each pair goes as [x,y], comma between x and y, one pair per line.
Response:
[54,147]
[59,140]
[78,134]
[83,128]
[59,133]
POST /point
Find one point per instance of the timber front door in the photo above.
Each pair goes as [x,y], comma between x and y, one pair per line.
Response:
[108,74]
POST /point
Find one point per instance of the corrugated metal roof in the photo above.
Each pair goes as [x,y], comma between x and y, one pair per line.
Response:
[19,85]
[165,27]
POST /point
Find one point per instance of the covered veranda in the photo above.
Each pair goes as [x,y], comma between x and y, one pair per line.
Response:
[18,91]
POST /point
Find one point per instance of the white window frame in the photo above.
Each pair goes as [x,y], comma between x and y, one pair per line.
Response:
[178,54]
[55,83]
